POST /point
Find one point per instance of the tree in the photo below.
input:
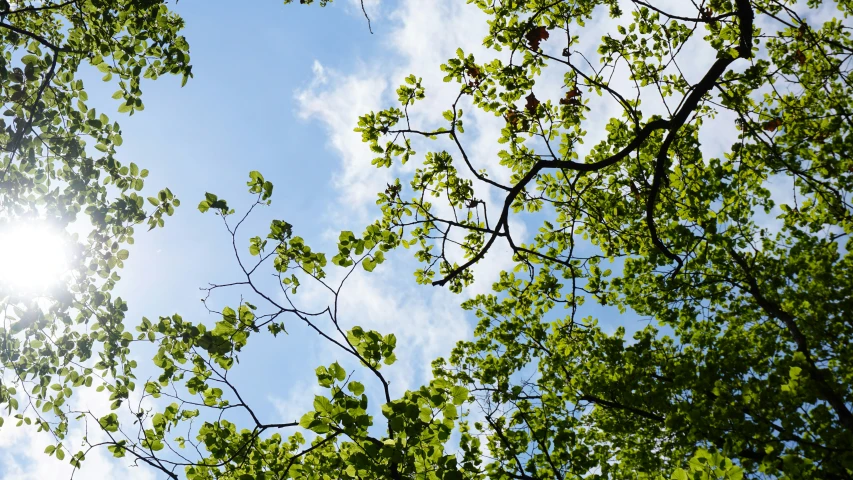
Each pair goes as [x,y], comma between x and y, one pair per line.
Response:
[749,373]
[753,361]
[59,166]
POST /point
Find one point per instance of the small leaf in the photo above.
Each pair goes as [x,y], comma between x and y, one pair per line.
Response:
[356,388]
[532,103]
[570,98]
[535,36]
[773,124]
[460,395]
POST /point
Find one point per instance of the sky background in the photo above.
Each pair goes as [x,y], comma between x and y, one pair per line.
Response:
[279,89]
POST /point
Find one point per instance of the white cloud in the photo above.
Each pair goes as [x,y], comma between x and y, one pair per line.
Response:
[426,321]
[423,34]
[297,402]
[338,108]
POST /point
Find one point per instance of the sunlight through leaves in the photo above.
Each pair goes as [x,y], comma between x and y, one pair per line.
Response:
[33,257]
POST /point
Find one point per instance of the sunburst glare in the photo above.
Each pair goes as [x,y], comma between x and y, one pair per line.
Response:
[33,257]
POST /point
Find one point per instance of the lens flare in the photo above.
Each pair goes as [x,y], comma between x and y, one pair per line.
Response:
[33,257]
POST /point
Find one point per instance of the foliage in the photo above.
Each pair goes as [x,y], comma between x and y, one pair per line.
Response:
[59,166]
[743,371]
[752,357]
[194,361]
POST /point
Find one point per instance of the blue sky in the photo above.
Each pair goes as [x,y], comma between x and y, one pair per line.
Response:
[278,89]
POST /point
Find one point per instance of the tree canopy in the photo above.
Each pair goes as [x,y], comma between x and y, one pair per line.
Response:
[60,168]
[739,373]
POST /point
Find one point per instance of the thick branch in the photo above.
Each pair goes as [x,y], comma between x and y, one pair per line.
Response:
[746,17]
[47,43]
[503,221]
[610,404]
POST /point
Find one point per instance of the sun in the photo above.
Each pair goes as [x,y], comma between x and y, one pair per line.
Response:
[33,257]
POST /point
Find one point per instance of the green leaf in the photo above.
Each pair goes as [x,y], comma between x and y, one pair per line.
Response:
[109,422]
[459,394]
[337,371]
[356,388]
